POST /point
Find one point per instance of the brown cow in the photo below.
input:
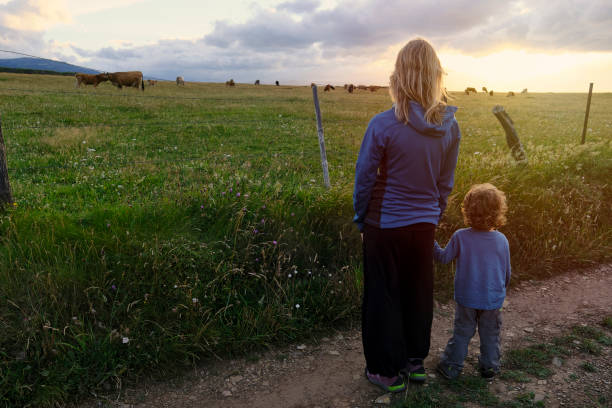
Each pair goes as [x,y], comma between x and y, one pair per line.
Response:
[484,89]
[470,89]
[230,82]
[373,88]
[90,79]
[491,92]
[510,93]
[180,81]
[328,87]
[350,88]
[365,88]
[127,79]
[151,82]
[345,86]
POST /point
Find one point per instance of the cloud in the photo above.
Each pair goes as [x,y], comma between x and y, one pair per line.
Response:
[33,15]
[465,25]
[299,6]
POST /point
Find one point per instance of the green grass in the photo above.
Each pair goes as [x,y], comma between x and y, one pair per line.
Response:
[129,251]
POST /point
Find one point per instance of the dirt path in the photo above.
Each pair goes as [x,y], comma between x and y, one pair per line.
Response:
[329,373]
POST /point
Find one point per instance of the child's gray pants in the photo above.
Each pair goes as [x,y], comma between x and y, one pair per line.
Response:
[489,327]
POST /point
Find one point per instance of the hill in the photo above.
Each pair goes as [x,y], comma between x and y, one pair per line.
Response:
[37,64]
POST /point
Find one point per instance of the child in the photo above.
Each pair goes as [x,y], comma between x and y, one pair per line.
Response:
[481,279]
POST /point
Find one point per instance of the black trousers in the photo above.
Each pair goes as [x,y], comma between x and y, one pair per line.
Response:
[397,309]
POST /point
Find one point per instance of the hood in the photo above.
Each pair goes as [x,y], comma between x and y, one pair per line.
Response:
[416,119]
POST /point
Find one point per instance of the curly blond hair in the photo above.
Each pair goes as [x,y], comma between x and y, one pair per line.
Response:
[484,207]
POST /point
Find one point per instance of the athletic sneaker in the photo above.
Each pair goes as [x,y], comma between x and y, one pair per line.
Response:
[448,372]
[389,384]
[414,370]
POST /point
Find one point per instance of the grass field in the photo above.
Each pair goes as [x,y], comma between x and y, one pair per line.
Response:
[154,229]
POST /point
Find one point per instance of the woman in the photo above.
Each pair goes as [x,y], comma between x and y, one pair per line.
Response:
[404,174]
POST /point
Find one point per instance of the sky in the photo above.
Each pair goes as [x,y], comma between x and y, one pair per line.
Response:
[542,45]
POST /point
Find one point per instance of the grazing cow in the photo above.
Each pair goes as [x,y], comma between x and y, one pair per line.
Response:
[345,86]
[373,88]
[484,89]
[510,93]
[90,79]
[524,91]
[127,79]
[365,88]
[328,87]
[277,84]
[470,89]
[257,82]
[491,92]
[151,82]
[350,88]
[230,82]
[180,81]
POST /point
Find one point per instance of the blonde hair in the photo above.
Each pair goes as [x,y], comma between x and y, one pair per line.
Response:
[484,207]
[418,77]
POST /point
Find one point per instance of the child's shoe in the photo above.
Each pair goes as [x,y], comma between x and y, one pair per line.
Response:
[488,373]
[389,384]
[414,370]
[447,371]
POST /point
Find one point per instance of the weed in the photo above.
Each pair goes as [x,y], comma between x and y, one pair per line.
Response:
[588,367]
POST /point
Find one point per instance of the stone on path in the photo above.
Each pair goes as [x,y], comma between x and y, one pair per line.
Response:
[384,399]
[227,393]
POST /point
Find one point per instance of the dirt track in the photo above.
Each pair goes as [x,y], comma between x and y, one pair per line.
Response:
[329,373]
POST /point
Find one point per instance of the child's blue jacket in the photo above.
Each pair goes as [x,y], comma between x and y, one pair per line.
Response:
[405,172]
[483,267]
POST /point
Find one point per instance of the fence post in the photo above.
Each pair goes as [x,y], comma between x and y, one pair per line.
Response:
[586,115]
[5,186]
[516,148]
[321,137]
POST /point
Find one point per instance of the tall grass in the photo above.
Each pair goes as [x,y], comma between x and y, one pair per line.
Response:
[193,222]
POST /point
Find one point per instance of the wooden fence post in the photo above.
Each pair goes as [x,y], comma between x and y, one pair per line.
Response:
[321,137]
[586,115]
[516,148]
[5,186]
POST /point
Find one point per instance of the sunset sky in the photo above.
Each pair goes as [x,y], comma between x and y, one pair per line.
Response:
[542,45]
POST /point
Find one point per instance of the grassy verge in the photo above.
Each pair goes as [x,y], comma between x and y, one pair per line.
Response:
[154,229]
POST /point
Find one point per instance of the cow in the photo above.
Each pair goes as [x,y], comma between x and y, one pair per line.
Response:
[230,82]
[524,91]
[257,82]
[373,88]
[328,87]
[365,88]
[484,89]
[90,79]
[277,84]
[128,79]
[151,82]
[510,93]
[345,86]
[350,88]
[470,89]
[491,92]
[180,81]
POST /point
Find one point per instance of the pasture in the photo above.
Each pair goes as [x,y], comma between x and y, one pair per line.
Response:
[155,229]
